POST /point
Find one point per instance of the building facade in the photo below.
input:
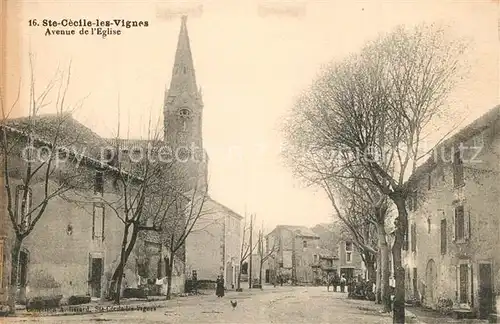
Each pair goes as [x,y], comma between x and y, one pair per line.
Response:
[348,260]
[293,257]
[75,246]
[212,248]
[454,224]
[325,266]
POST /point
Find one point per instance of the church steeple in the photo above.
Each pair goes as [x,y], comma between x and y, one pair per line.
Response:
[183,74]
[183,105]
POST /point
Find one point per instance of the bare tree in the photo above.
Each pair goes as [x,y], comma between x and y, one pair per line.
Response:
[246,249]
[376,108]
[38,162]
[364,211]
[176,228]
[146,193]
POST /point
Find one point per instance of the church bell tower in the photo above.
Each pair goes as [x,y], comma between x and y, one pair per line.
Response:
[183,105]
[183,110]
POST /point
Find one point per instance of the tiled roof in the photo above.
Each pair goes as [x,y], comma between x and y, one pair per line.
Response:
[64,132]
[327,254]
[300,230]
[68,132]
[467,132]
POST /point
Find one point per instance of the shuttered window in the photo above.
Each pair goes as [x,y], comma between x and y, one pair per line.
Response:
[98,222]
[443,237]
[458,169]
[459,223]
[413,237]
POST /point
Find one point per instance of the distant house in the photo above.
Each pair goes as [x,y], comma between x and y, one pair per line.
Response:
[293,258]
[324,266]
[454,223]
[348,260]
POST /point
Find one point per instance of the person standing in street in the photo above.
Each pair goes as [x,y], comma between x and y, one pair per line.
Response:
[342,283]
[219,288]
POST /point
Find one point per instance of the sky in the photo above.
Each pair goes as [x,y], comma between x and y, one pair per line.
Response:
[251,65]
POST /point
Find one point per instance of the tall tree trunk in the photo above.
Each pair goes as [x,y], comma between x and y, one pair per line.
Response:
[384,268]
[261,264]
[126,249]
[238,281]
[169,275]
[370,268]
[399,271]
[14,270]
[378,291]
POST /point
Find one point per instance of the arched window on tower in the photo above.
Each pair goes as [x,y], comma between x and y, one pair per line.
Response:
[184,70]
[185,114]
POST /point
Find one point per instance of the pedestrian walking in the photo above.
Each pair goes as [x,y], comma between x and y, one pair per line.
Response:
[219,289]
[343,281]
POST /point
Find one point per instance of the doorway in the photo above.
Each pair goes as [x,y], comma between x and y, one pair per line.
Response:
[485,290]
[430,280]
[229,275]
[95,274]
[267,276]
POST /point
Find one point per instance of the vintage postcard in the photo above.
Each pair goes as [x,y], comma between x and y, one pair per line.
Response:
[255,161]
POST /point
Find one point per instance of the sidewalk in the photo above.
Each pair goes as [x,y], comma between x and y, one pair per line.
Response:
[414,314]
[367,305]
[425,316]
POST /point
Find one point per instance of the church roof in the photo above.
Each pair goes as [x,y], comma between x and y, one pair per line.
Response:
[225,208]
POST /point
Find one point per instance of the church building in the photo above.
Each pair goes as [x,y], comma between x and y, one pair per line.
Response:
[213,246]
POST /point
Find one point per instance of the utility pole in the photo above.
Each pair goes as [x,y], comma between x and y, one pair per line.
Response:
[261,254]
[294,258]
[251,252]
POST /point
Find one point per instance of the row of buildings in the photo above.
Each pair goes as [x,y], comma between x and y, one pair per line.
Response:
[454,222]
[75,246]
[307,256]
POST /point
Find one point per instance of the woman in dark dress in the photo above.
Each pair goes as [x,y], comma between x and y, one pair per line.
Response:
[219,290]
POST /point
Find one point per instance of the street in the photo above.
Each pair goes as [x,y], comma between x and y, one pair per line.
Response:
[271,305]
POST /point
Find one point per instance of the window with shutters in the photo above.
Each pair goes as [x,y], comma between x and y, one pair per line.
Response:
[464,283]
[458,169]
[443,237]
[348,246]
[348,257]
[98,222]
[460,224]
[414,237]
